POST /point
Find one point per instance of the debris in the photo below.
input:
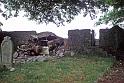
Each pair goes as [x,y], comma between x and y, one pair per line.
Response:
[12,69]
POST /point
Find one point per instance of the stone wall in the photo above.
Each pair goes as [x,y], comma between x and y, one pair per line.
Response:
[1,37]
[19,37]
[112,39]
[116,38]
[66,47]
[103,38]
[79,40]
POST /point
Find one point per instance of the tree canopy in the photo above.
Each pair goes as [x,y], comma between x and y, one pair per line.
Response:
[55,11]
[116,15]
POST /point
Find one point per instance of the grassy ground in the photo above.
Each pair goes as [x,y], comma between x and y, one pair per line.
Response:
[84,69]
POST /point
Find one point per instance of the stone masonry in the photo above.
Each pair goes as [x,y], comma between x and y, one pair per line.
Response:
[80,40]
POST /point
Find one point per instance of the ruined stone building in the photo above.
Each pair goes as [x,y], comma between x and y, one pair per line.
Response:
[31,37]
[103,38]
[18,37]
[79,40]
[112,39]
[1,37]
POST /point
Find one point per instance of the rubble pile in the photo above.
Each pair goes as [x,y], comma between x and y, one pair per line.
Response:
[25,54]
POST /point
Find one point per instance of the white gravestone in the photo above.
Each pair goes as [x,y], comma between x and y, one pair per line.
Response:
[7,50]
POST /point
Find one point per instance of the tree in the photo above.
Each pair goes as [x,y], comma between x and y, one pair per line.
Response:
[1,24]
[116,15]
[56,11]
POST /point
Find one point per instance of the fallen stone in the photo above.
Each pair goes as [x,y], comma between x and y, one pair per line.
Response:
[12,69]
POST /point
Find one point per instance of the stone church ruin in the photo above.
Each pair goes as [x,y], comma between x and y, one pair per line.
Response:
[112,41]
[30,46]
[29,43]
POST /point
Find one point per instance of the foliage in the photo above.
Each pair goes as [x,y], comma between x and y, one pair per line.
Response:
[1,24]
[56,11]
[84,69]
[116,15]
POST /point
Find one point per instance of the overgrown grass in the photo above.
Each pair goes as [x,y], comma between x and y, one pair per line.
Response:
[84,69]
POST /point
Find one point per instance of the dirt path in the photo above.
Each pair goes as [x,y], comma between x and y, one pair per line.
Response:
[116,74]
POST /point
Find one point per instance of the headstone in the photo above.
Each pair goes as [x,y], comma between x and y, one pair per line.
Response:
[7,50]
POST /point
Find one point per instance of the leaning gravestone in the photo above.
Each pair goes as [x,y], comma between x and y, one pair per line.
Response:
[6,51]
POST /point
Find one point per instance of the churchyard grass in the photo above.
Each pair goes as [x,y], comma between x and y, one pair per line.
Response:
[83,69]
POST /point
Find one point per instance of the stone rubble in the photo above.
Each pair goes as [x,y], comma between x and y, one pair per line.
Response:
[25,57]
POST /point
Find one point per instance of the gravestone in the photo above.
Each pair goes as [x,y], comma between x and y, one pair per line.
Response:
[6,51]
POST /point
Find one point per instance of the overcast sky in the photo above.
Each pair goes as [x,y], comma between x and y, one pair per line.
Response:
[23,24]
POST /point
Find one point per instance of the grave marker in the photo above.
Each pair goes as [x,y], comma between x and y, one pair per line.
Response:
[6,51]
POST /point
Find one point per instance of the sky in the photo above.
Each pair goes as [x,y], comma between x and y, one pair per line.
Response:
[21,23]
